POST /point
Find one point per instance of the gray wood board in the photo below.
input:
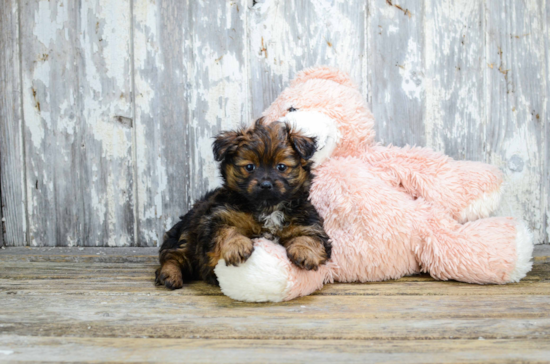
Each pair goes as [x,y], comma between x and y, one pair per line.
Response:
[11,140]
[77,105]
[288,36]
[124,350]
[397,71]
[104,165]
[66,305]
[515,111]
[161,47]
[454,68]
[546,122]
[191,82]
[76,304]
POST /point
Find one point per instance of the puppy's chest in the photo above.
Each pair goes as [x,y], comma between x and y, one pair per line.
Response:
[272,222]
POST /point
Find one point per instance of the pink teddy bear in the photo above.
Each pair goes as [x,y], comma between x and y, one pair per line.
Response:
[389,211]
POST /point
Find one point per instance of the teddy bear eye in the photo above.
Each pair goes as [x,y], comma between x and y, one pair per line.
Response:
[292,109]
[281,167]
[250,167]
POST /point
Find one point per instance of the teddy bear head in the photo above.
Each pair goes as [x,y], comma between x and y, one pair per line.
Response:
[323,102]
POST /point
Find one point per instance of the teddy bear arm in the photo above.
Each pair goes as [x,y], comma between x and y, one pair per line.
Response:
[466,190]
[268,276]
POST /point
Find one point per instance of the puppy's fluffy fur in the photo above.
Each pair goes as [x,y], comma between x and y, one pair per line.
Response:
[266,171]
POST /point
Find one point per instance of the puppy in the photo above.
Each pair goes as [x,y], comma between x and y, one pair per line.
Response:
[266,171]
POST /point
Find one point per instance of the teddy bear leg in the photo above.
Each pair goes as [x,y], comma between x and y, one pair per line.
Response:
[492,250]
[268,276]
[466,190]
[481,185]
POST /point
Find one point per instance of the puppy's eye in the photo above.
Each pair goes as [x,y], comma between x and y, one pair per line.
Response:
[292,109]
[281,167]
[250,167]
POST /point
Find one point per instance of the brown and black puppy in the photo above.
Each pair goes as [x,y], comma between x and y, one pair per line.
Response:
[266,171]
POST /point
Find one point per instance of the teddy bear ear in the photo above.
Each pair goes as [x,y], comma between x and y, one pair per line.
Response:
[324,73]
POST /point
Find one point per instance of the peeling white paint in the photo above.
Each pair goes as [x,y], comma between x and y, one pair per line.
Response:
[410,71]
[152,179]
[392,29]
[234,66]
[522,194]
[33,118]
[48,21]
[116,15]
[434,116]
[287,36]
[75,83]
[145,34]
[114,139]
[209,166]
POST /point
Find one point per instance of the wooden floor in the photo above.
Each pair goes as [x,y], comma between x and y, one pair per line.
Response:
[93,305]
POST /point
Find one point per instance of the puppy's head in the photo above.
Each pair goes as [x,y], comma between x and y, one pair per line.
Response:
[266,163]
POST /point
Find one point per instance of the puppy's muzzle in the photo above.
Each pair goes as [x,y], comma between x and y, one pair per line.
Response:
[266,185]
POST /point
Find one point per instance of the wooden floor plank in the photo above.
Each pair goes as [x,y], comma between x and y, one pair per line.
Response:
[85,305]
[136,255]
[124,266]
[54,349]
[145,285]
[312,317]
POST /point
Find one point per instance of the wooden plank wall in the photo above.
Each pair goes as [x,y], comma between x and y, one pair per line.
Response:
[108,107]
[12,165]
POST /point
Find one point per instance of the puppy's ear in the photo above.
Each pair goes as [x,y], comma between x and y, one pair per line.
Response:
[260,122]
[225,144]
[305,146]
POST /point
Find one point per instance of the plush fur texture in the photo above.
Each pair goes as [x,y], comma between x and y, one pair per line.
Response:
[481,207]
[267,272]
[267,176]
[319,126]
[524,252]
[389,211]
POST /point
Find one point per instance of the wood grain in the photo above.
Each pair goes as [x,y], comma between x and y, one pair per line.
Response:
[219,80]
[198,64]
[287,36]
[120,350]
[454,36]
[545,224]
[77,105]
[140,282]
[163,149]
[12,163]
[396,73]
[312,317]
[516,114]
[107,116]
[67,306]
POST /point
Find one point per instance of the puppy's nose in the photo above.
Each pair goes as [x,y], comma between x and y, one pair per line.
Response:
[266,185]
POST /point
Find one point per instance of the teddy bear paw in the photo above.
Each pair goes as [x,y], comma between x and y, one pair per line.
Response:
[264,277]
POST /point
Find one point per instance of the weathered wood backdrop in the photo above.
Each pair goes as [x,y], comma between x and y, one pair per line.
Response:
[108,107]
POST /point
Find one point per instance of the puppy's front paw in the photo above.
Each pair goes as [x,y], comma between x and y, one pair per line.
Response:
[237,250]
[169,275]
[306,252]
